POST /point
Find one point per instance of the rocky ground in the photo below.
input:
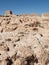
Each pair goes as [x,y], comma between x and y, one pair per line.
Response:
[24,39]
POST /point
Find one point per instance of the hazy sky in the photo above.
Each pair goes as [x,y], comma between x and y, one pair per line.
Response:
[24,6]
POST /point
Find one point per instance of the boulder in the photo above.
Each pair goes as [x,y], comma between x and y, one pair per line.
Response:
[8,12]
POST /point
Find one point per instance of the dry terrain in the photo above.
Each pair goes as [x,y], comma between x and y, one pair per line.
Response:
[24,39]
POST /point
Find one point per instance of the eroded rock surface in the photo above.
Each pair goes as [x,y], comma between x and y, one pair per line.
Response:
[24,40]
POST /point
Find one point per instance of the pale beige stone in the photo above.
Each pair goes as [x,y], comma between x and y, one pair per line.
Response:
[8,12]
[24,39]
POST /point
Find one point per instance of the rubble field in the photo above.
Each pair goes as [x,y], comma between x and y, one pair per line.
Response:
[24,39]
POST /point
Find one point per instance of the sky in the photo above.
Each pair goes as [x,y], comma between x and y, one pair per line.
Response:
[24,6]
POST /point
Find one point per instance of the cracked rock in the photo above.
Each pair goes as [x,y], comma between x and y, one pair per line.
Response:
[24,39]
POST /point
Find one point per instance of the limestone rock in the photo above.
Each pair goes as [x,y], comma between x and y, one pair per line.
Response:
[8,12]
[24,39]
[45,14]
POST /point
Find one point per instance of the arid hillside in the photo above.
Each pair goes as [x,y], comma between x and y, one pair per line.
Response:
[24,39]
